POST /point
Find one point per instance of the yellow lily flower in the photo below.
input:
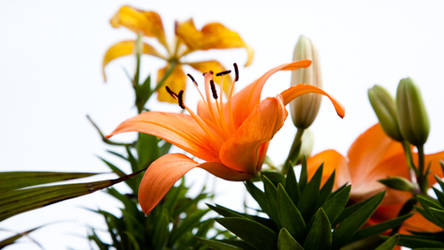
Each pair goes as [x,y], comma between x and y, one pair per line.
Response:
[188,39]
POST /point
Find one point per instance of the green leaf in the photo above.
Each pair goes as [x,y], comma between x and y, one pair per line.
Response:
[18,201]
[186,225]
[271,195]
[438,216]
[256,234]
[113,167]
[21,179]
[226,212]
[259,196]
[287,242]
[439,195]
[326,190]
[274,177]
[389,244]
[147,149]
[303,178]
[11,240]
[319,236]
[218,245]
[380,228]
[292,186]
[310,194]
[416,242]
[334,206]
[289,215]
[347,228]
[161,232]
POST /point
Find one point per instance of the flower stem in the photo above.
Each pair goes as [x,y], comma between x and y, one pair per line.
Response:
[138,55]
[294,151]
[422,176]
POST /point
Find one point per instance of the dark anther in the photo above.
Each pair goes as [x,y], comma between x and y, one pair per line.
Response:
[236,72]
[213,89]
[192,79]
[223,73]
[180,99]
[172,94]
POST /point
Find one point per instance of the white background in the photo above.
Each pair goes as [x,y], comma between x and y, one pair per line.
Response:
[50,78]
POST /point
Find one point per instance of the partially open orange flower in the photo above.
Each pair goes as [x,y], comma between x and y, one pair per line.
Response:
[371,157]
[188,39]
[231,136]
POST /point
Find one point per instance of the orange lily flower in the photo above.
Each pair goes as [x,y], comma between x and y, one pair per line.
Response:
[188,39]
[231,137]
[371,157]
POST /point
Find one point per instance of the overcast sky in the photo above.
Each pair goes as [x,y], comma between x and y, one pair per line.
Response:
[50,78]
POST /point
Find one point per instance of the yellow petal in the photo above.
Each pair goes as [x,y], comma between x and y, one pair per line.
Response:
[216,67]
[211,36]
[148,23]
[176,81]
[125,48]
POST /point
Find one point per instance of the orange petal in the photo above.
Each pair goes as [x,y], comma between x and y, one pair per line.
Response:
[148,23]
[241,150]
[212,36]
[166,170]
[332,161]
[178,129]
[370,148]
[176,81]
[244,101]
[368,185]
[435,168]
[125,48]
[300,89]
[216,67]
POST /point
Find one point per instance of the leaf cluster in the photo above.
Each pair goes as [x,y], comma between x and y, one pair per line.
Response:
[304,215]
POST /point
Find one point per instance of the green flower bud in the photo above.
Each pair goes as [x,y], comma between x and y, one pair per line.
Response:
[305,108]
[398,183]
[385,108]
[412,116]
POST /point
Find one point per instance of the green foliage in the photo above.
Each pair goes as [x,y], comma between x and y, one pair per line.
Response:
[13,239]
[305,215]
[432,210]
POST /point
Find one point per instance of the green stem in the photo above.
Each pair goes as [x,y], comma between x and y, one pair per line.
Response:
[168,72]
[294,151]
[422,175]
[138,56]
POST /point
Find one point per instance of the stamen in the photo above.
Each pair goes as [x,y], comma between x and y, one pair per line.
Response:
[236,72]
[213,89]
[180,99]
[172,94]
[192,79]
[223,73]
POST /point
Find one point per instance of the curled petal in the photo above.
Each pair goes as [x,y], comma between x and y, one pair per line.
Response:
[333,161]
[178,129]
[176,81]
[211,36]
[148,23]
[166,170]
[370,148]
[300,89]
[245,100]
[215,66]
[242,150]
[125,48]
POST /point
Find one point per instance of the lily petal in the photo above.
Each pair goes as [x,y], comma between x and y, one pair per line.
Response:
[333,161]
[300,89]
[211,36]
[245,100]
[215,66]
[176,81]
[166,170]
[241,150]
[370,148]
[148,23]
[178,129]
[125,48]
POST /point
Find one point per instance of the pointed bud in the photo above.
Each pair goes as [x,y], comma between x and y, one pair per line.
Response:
[398,183]
[412,116]
[304,109]
[385,108]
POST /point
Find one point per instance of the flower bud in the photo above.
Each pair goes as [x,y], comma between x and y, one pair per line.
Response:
[385,108]
[412,116]
[398,183]
[304,109]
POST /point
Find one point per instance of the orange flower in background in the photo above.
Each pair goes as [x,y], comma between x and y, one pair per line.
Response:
[230,136]
[188,39]
[371,157]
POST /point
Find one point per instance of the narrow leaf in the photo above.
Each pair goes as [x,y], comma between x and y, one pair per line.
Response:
[319,236]
[287,242]
[389,244]
[289,215]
